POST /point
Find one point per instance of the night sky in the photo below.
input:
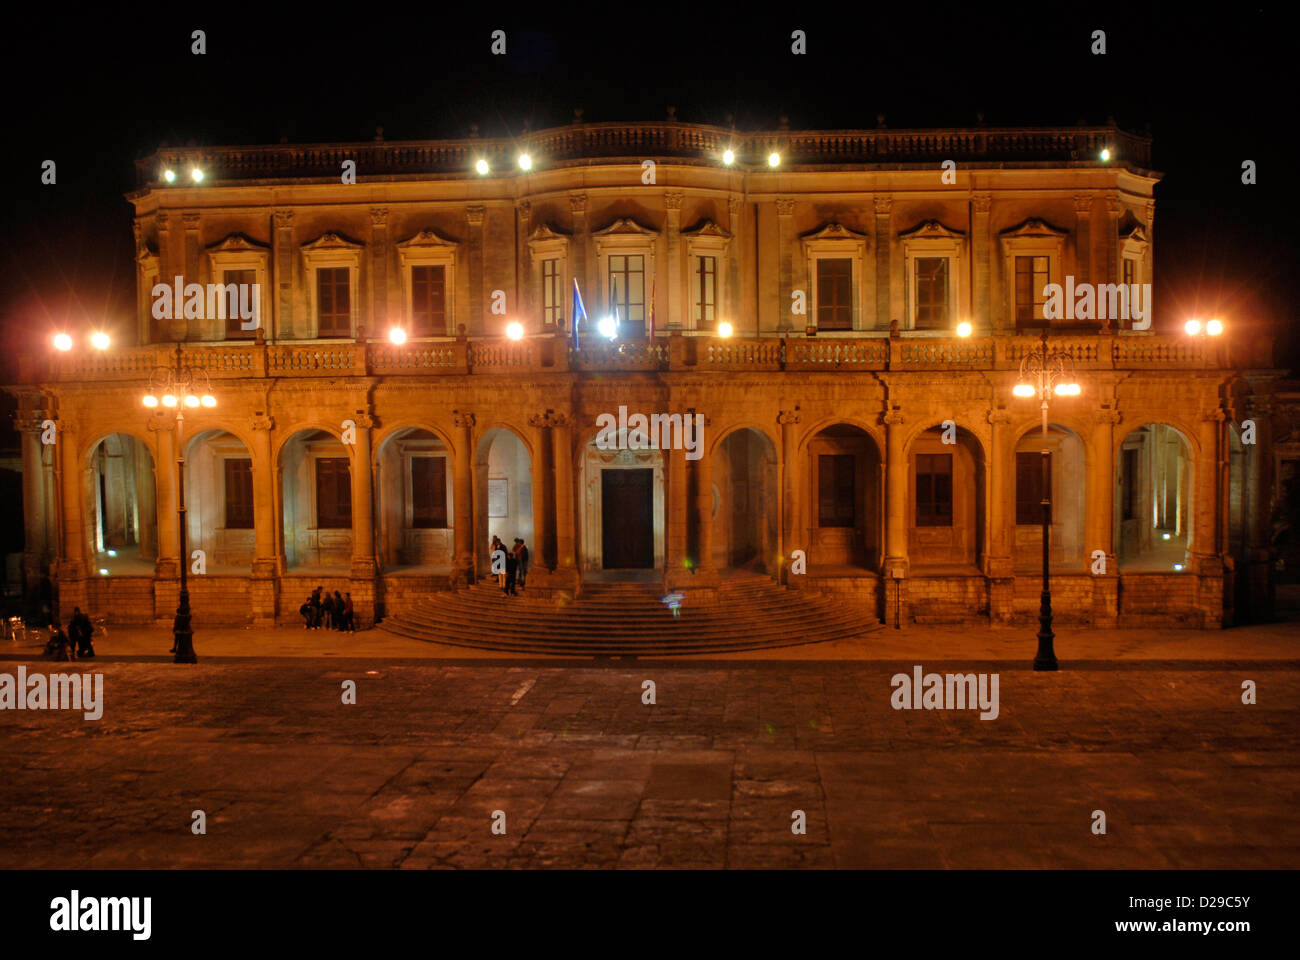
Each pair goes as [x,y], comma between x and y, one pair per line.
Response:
[94,92]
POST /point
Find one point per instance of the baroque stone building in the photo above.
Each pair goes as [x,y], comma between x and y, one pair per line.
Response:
[843,416]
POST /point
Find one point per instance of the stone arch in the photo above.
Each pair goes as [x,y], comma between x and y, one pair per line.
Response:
[503,483]
[722,434]
[315,490]
[623,517]
[219,498]
[1067,488]
[840,523]
[119,492]
[946,499]
[1154,491]
[415,497]
[872,430]
[746,500]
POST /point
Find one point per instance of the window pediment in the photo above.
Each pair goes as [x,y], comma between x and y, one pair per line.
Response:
[626,227]
[1033,227]
[707,230]
[427,239]
[544,232]
[237,243]
[834,231]
[330,242]
[931,230]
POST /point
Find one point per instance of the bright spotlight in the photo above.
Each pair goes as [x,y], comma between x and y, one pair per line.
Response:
[168,400]
[208,400]
[99,340]
[964,329]
[1023,390]
[1105,154]
[482,167]
[1214,328]
[169,176]
[515,330]
[62,341]
[103,571]
[525,162]
[725,329]
[1193,327]
[150,401]
[396,335]
[728,157]
[608,328]
[1164,536]
[191,400]
[196,175]
[774,159]
[112,553]
[1067,389]
[1178,566]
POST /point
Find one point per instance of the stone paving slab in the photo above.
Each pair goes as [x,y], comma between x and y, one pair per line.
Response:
[708,777]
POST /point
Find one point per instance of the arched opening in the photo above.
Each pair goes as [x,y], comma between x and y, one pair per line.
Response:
[121,507]
[844,519]
[745,525]
[416,516]
[623,521]
[946,495]
[1153,499]
[316,491]
[219,501]
[1065,487]
[503,477]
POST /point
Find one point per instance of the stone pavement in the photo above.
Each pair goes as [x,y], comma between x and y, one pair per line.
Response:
[1146,727]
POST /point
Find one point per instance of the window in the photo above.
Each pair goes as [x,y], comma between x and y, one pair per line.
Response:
[627,288]
[836,490]
[706,290]
[550,291]
[244,280]
[239,493]
[934,489]
[835,294]
[1029,487]
[428,301]
[1128,484]
[429,492]
[1130,271]
[1031,281]
[333,493]
[333,306]
[931,293]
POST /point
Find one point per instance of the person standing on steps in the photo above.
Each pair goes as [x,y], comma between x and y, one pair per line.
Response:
[512,571]
[521,555]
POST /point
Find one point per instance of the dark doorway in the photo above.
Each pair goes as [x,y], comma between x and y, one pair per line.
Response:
[627,519]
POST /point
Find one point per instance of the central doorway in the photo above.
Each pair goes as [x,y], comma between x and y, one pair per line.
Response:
[627,519]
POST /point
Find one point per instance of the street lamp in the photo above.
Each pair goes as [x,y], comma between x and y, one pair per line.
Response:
[178,387]
[1046,370]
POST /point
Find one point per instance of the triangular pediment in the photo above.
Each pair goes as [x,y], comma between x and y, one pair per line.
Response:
[1136,233]
[834,231]
[427,237]
[332,241]
[626,227]
[932,230]
[237,243]
[707,229]
[1033,227]
[544,231]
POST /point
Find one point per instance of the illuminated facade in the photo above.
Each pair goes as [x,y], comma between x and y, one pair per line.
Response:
[843,417]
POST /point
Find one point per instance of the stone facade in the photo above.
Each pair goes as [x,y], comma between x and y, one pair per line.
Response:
[843,417]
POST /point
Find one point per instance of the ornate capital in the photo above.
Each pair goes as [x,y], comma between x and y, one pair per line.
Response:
[364,420]
[999,417]
[1113,206]
[525,209]
[785,206]
[983,202]
[1105,415]
[883,205]
[474,215]
[464,420]
[191,220]
[262,422]
[548,419]
[1217,415]
[578,203]
[787,417]
[283,219]
[1082,204]
[1151,213]
[893,418]
[673,200]
[733,211]
[160,218]
[379,216]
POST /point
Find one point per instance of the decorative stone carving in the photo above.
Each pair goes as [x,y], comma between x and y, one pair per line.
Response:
[673,200]
[578,203]
[787,416]
[883,205]
[262,422]
[191,220]
[378,216]
[893,418]
[1082,204]
[464,420]
[785,207]
[283,219]
[474,215]
[982,202]
[999,417]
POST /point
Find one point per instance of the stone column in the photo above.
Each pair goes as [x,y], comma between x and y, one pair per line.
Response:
[364,567]
[195,329]
[988,315]
[1207,554]
[785,251]
[1000,564]
[283,256]
[524,305]
[896,561]
[1082,238]
[463,473]
[166,268]
[582,269]
[541,548]
[166,586]
[567,577]
[72,584]
[474,217]
[884,246]
[266,562]
[1099,517]
[674,313]
[704,507]
[379,319]
[1259,520]
[732,304]
[676,573]
[791,539]
[34,505]
[1111,242]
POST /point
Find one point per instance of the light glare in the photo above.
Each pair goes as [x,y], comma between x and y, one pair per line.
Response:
[482,167]
[608,328]
[774,159]
[1023,390]
[397,335]
[964,329]
[728,157]
[168,400]
[208,400]
[150,401]
[62,341]
[169,176]
[197,175]
[1193,327]
[725,329]
[99,340]
[515,330]
[525,162]
[1214,328]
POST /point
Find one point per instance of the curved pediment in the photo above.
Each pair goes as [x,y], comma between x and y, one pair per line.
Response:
[626,227]
[707,228]
[1034,227]
[1135,233]
[237,243]
[332,241]
[834,231]
[932,230]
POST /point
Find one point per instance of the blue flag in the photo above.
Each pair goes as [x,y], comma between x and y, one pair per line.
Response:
[578,311]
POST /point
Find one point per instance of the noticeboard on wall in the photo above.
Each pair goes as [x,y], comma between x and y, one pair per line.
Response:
[498,496]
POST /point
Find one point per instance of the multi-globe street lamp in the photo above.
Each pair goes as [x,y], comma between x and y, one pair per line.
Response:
[173,389]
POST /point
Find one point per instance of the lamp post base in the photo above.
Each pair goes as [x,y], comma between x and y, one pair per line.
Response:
[183,640]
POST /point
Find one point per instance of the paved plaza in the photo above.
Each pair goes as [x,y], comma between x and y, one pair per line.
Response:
[1147,726]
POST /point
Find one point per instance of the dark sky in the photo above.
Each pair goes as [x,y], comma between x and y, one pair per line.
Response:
[93,91]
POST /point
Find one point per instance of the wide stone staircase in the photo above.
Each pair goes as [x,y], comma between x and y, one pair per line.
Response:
[630,619]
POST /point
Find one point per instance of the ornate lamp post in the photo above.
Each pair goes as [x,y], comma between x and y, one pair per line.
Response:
[175,388]
[1043,371]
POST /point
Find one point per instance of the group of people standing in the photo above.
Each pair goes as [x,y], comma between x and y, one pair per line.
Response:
[515,571]
[75,643]
[333,612]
